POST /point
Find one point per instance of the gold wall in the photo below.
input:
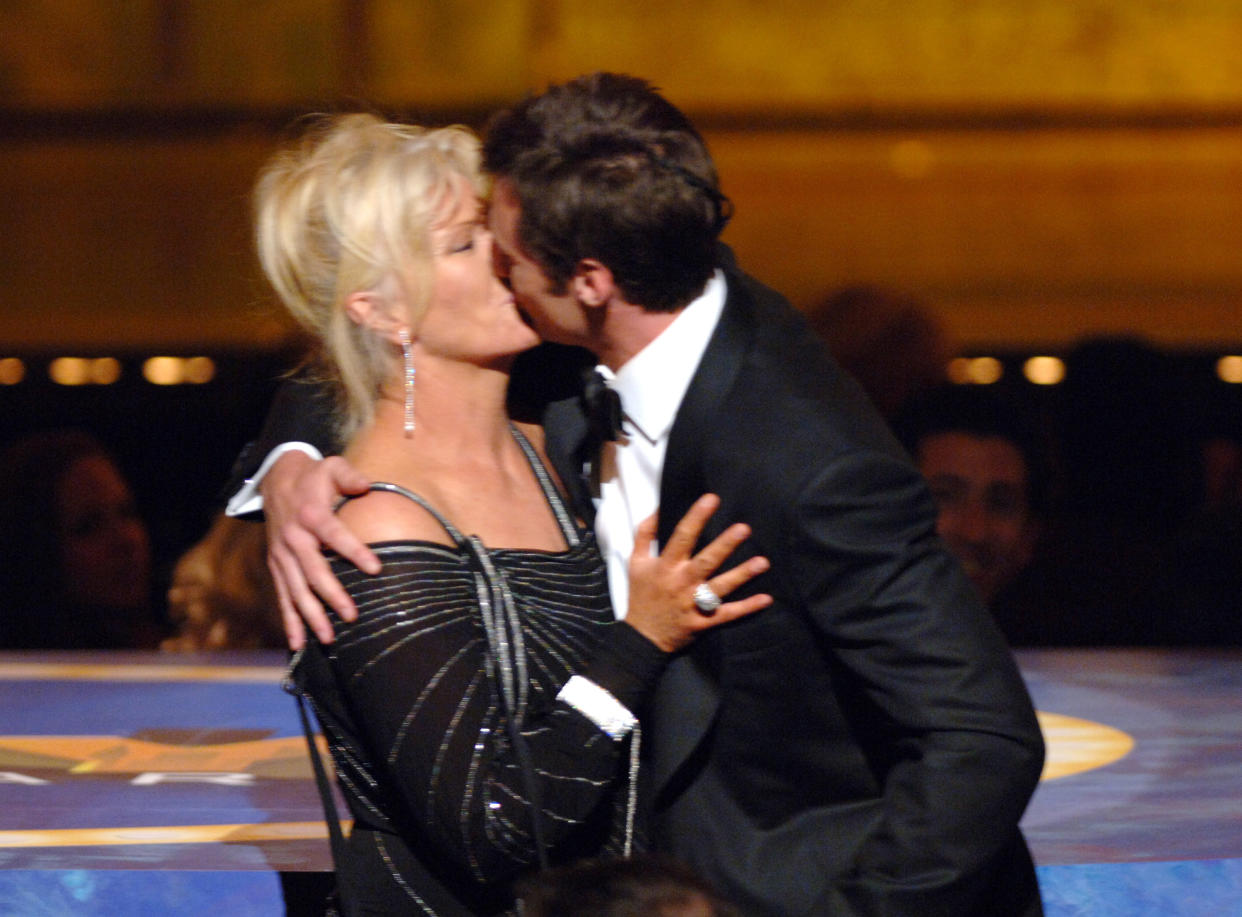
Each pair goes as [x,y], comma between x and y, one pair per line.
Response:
[1034,169]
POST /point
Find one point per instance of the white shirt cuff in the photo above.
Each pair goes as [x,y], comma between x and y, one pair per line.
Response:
[598,706]
[248,499]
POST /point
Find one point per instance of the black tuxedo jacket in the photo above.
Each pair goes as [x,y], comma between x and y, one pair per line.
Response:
[865,745]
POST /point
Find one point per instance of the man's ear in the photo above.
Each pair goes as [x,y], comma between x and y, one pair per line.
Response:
[592,283]
[376,312]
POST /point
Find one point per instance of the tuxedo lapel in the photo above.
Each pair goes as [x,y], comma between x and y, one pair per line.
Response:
[568,443]
[703,411]
[686,698]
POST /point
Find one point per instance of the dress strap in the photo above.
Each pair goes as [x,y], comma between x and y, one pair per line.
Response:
[569,528]
[459,539]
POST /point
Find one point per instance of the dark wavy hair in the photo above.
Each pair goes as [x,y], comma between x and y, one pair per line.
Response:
[606,168]
[643,886]
[978,412]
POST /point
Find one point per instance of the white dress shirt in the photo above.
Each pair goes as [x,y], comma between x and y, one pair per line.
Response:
[652,385]
[248,499]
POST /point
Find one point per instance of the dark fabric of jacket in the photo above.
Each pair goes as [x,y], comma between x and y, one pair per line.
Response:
[866,745]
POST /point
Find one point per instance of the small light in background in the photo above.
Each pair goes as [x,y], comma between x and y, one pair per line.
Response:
[105,370]
[12,371]
[1044,370]
[69,371]
[179,370]
[84,370]
[1229,369]
[199,370]
[164,370]
[975,370]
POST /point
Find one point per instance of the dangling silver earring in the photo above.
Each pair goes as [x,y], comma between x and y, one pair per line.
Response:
[408,360]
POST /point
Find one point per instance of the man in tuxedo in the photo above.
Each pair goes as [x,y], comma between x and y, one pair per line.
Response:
[864,746]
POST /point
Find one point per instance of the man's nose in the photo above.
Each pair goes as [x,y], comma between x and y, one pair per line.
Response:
[973,522]
[500,263]
[130,533]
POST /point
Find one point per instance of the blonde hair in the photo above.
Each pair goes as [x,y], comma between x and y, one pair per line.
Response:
[221,596]
[350,205]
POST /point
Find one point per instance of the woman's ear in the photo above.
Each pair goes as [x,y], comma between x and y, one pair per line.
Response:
[378,313]
[592,283]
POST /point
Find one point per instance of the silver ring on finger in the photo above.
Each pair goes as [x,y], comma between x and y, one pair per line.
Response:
[706,600]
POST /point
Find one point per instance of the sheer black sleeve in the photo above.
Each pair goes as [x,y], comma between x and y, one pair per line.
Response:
[419,700]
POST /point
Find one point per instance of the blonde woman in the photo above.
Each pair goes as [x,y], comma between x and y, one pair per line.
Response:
[484,708]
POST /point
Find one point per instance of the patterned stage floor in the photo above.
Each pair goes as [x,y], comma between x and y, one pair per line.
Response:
[181,786]
[1159,830]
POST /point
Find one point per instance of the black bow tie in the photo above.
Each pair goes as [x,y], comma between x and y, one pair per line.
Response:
[603,407]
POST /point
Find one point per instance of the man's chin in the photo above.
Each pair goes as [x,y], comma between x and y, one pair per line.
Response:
[988,583]
[546,333]
[529,321]
[980,575]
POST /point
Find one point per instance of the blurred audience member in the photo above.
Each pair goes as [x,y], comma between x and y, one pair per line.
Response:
[76,555]
[1129,477]
[1222,473]
[980,462]
[221,596]
[1204,595]
[887,340]
[984,467]
[644,886]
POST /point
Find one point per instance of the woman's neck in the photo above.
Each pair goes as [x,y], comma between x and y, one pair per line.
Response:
[459,418]
[461,456]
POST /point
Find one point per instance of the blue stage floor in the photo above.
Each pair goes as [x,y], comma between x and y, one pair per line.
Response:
[140,784]
[1158,831]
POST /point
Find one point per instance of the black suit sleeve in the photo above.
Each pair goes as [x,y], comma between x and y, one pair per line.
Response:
[952,728]
[302,411]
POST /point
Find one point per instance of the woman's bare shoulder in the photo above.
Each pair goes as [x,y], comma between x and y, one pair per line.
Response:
[384,516]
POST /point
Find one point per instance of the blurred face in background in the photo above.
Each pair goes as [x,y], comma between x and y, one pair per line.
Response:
[105,549]
[980,484]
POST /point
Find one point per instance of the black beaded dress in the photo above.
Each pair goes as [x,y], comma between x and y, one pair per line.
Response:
[413,700]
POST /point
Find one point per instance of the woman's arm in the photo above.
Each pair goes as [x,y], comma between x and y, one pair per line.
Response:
[423,697]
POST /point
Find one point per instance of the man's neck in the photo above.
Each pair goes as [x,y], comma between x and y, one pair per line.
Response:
[625,330]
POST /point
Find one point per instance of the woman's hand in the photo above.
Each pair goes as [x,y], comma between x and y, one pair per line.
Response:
[662,604]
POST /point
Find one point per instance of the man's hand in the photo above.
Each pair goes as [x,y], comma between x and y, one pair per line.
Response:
[299,494]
